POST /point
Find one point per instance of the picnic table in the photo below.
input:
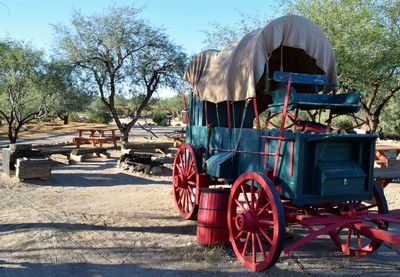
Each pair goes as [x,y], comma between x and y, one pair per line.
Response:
[96,136]
[388,168]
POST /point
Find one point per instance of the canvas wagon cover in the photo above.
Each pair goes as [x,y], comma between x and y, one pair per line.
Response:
[232,74]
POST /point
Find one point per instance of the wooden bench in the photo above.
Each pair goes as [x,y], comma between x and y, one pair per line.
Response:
[96,140]
[177,137]
[385,174]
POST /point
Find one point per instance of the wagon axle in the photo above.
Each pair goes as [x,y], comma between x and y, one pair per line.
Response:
[249,222]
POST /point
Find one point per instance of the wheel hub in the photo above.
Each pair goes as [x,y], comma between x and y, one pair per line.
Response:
[180,180]
[246,221]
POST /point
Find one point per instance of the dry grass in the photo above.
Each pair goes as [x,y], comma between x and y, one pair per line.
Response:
[38,128]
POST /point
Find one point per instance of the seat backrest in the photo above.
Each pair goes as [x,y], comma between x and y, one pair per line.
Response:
[301,78]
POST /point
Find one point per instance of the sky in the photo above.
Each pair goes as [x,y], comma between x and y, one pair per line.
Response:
[184,20]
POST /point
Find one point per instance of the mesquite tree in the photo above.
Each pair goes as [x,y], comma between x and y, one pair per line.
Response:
[121,53]
[365,35]
[23,85]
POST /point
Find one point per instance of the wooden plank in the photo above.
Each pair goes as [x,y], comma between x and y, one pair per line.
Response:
[386,173]
[394,164]
[300,78]
[151,145]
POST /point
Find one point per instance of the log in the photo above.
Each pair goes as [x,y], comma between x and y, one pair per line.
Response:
[77,158]
[151,145]
[85,151]
[20,147]
[60,158]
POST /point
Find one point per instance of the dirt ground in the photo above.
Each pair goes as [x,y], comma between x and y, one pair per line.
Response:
[92,219]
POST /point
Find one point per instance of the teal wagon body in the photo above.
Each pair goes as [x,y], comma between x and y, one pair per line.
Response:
[313,168]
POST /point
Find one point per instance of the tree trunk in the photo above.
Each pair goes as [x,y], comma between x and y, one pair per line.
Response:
[125,135]
[66,119]
[12,133]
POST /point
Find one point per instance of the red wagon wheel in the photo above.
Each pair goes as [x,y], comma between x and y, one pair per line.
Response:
[256,221]
[185,181]
[352,242]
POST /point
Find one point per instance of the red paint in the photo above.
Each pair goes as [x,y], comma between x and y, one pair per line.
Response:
[256,112]
[186,106]
[212,225]
[228,109]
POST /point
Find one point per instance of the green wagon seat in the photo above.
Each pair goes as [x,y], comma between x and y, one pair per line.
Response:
[337,103]
[221,165]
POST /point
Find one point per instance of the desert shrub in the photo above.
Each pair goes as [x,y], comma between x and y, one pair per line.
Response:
[343,123]
[100,117]
[160,118]
[74,117]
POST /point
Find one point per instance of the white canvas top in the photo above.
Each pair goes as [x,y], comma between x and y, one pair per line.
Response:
[232,74]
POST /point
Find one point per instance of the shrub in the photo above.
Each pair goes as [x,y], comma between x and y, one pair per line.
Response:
[74,117]
[100,117]
[160,118]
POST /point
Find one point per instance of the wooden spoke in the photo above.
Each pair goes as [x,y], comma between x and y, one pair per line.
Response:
[260,245]
[265,235]
[252,194]
[239,235]
[253,242]
[264,208]
[240,205]
[350,240]
[245,196]
[246,244]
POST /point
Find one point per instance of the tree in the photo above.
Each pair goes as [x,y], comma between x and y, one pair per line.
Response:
[219,36]
[364,36]
[68,95]
[23,85]
[172,105]
[119,50]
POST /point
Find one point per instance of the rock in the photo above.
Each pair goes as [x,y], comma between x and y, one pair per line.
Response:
[155,170]
[147,169]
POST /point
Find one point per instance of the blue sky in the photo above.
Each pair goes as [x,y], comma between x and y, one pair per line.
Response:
[30,20]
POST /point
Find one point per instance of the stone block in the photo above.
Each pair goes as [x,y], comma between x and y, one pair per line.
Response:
[32,168]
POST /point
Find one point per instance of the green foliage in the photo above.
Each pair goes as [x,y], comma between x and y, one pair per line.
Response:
[74,117]
[24,89]
[391,124]
[343,122]
[219,36]
[117,50]
[365,36]
[100,118]
[160,118]
[98,112]
[69,95]
[171,105]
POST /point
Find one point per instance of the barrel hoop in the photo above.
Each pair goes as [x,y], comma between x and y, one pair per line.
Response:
[208,190]
[217,210]
[211,227]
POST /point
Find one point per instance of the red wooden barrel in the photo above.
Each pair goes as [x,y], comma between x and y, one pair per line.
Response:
[212,225]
